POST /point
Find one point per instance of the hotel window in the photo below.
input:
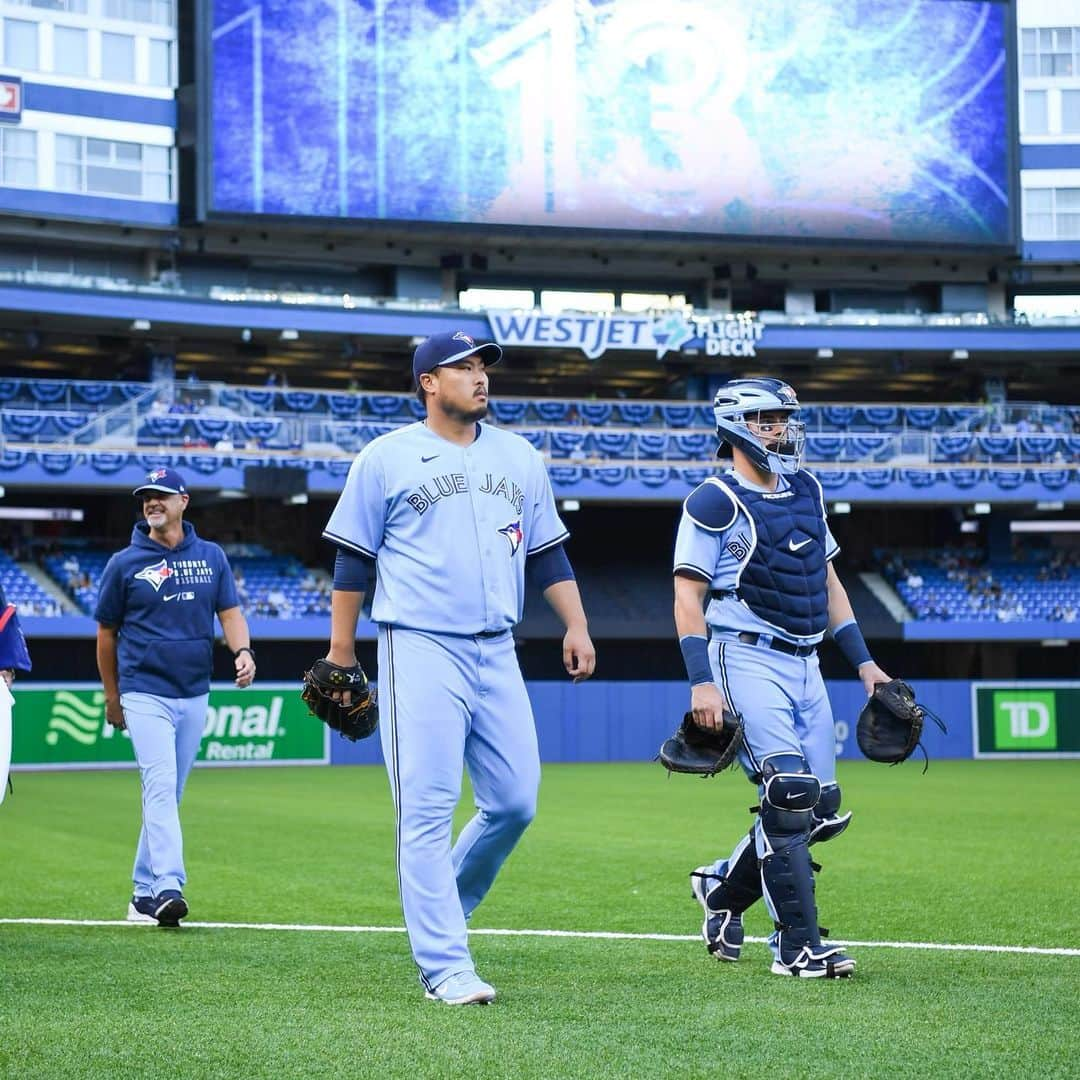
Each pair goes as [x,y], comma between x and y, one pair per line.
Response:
[159,12]
[1036,114]
[118,57]
[1049,51]
[21,44]
[18,157]
[107,167]
[160,62]
[70,51]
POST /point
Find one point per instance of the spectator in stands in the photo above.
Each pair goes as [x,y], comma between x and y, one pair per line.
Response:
[1069,613]
[279,603]
[155,644]
[71,568]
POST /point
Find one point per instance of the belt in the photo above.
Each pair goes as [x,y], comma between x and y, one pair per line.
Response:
[485,634]
[779,644]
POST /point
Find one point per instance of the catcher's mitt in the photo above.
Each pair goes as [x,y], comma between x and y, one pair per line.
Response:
[359,718]
[696,750]
[891,724]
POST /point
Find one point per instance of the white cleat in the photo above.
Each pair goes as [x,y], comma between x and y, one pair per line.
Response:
[465,988]
[140,910]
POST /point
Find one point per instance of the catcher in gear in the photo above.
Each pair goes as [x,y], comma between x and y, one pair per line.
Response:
[890,725]
[699,752]
[755,593]
[341,698]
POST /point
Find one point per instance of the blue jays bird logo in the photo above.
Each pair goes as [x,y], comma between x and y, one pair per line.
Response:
[462,336]
[155,574]
[514,535]
[155,476]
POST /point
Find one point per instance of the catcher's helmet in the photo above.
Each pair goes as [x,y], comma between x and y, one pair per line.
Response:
[739,401]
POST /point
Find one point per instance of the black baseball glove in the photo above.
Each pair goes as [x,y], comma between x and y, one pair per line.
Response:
[359,718]
[891,724]
[697,750]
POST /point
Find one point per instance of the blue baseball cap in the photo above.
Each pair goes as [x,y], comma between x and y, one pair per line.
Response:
[449,348]
[167,481]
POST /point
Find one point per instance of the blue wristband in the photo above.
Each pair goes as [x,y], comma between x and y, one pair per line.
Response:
[695,651]
[851,643]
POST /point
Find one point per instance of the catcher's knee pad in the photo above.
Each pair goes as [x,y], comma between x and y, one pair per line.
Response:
[827,821]
[790,791]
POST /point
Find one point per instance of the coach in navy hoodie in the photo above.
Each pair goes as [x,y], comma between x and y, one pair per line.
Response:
[155,643]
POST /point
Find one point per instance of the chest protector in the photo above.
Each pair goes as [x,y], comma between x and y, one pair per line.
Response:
[784,582]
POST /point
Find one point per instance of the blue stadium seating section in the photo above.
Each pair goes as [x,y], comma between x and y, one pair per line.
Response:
[955,587]
[268,585]
[108,432]
[23,591]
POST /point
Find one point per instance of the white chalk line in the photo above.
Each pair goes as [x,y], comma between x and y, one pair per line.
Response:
[600,935]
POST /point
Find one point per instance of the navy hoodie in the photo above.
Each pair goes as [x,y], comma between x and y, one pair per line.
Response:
[162,602]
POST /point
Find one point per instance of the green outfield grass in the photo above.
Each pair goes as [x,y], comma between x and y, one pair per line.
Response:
[972,852]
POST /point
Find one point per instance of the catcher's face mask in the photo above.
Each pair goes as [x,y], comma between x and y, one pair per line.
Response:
[761,417]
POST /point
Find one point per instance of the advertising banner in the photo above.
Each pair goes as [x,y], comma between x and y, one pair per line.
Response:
[64,727]
[1026,720]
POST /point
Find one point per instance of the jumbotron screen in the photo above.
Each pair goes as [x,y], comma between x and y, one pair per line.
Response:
[879,120]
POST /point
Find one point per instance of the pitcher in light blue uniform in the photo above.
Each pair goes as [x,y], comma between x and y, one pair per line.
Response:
[755,593]
[446,513]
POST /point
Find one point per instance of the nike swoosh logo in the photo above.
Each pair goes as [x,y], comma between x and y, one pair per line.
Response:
[793,795]
[792,546]
[425,460]
[173,597]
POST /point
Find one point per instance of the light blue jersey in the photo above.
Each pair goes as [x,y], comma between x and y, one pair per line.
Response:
[719,550]
[450,526]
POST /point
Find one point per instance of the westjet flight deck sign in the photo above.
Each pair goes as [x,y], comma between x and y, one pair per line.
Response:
[662,334]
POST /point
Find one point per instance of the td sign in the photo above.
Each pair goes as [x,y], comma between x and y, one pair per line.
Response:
[1026,720]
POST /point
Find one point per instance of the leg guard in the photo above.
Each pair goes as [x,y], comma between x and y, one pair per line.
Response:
[790,793]
[827,821]
[725,891]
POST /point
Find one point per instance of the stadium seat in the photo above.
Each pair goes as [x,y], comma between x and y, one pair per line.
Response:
[302,401]
[838,417]
[509,412]
[611,475]
[596,413]
[652,444]
[652,476]
[824,447]
[678,416]
[615,444]
[879,417]
[997,447]
[344,406]
[552,412]
[260,399]
[966,478]
[635,413]
[383,406]
[566,442]
[47,392]
[692,445]
[923,417]
[951,446]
